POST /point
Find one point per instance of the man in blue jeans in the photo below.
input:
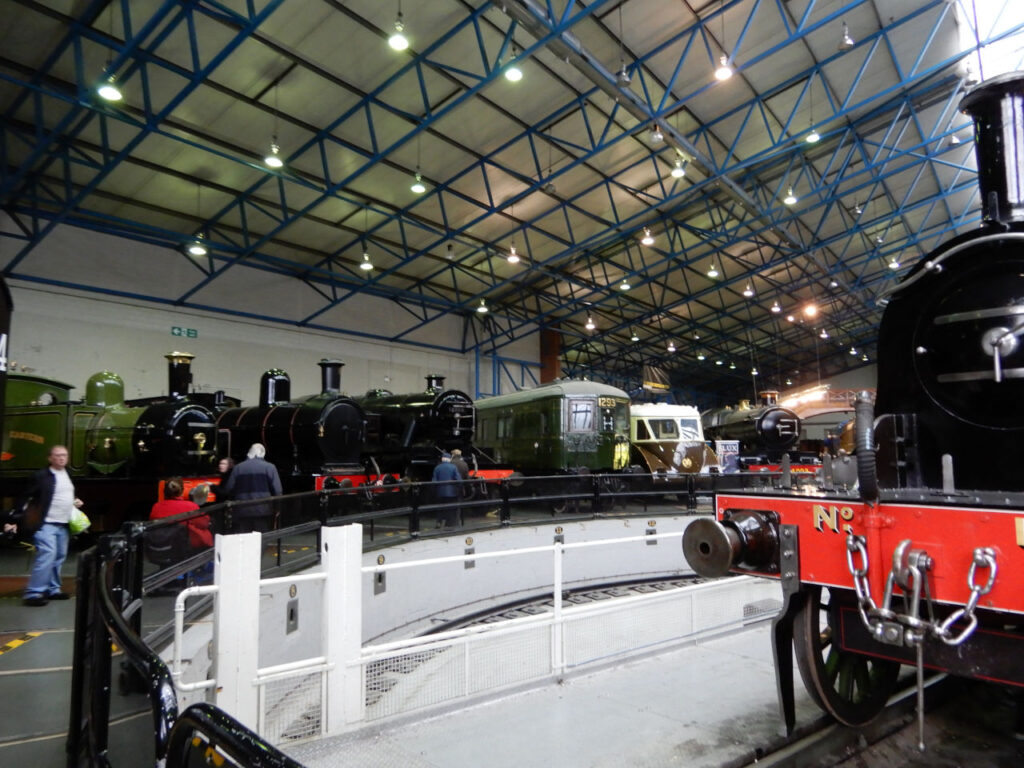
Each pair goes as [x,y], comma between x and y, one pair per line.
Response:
[50,501]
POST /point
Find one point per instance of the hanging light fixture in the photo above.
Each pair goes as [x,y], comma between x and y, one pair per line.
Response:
[366,265]
[634,337]
[823,334]
[656,135]
[417,183]
[671,346]
[273,158]
[813,137]
[857,209]
[700,356]
[648,238]
[790,199]
[418,187]
[853,350]
[398,41]
[513,257]
[622,78]
[894,263]
[513,73]
[724,71]
[846,43]
[678,171]
[791,318]
[753,371]
[712,272]
[450,252]
[624,285]
[590,323]
[789,382]
[864,357]
[108,89]
[732,366]
[719,362]
[196,247]
[482,309]
[748,291]
[811,310]
[776,307]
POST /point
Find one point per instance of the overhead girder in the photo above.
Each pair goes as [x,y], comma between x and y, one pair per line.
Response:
[757,170]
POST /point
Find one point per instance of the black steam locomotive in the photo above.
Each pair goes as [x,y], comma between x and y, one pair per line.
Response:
[924,564]
[119,450]
[765,432]
[305,437]
[412,429]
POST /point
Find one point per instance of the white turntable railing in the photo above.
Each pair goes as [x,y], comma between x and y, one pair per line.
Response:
[342,685]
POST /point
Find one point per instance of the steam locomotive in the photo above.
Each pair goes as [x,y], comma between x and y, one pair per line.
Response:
[330,439]
[118,449]
[924,564]
[765,433]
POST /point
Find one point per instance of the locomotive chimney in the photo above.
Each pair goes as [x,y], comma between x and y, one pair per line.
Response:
[275,387]
[435,382]
[330,376]
[769,397]
[179,374]
[997,108]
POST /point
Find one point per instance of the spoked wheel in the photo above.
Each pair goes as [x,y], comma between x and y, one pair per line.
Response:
[851,687]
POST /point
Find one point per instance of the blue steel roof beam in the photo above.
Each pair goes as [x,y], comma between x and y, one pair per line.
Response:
[163,21]
[191,84]
[591,134]
[432,115]
[824,244]
[848,106]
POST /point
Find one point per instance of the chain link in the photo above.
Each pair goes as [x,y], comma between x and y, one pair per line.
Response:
[984,557]
[873,616]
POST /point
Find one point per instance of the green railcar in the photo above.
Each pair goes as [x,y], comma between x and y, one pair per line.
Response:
[559,427]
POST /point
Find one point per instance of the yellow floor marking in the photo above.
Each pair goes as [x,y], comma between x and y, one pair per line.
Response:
[10,646]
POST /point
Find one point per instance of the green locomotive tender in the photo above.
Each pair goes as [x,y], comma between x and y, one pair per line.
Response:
[559,427]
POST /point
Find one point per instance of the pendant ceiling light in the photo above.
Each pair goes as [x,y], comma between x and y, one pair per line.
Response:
[648,238]
[846,42]
[108,89]
[513,257]
[482,309]
[398,41]
[678,171]
[790,198]
[590,323]
[513,73]
[366,265]
[712,272]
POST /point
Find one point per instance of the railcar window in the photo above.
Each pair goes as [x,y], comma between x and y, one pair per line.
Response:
[665,429]
[641,431]
[689,429]
[581,415]
[622,417]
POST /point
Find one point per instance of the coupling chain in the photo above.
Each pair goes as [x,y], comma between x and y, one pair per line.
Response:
[874,617]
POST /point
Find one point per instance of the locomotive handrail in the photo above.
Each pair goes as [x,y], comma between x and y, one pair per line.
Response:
[224,736]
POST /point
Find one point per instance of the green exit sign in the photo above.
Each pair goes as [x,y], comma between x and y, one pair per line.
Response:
[188,333]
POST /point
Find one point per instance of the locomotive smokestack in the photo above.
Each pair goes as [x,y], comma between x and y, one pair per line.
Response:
[275,387]
[179,374]
[330,376]
[769,397]
[435,382]
[997,108]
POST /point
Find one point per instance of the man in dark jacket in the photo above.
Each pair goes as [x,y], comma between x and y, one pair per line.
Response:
[447,489]
[254,478]
[46,511]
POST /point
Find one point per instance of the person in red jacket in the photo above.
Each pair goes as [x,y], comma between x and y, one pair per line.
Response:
[199,536]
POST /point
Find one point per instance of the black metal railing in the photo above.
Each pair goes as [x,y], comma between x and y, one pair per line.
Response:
[118,577]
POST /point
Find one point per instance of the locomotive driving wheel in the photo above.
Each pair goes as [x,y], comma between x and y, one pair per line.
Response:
[851,687]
